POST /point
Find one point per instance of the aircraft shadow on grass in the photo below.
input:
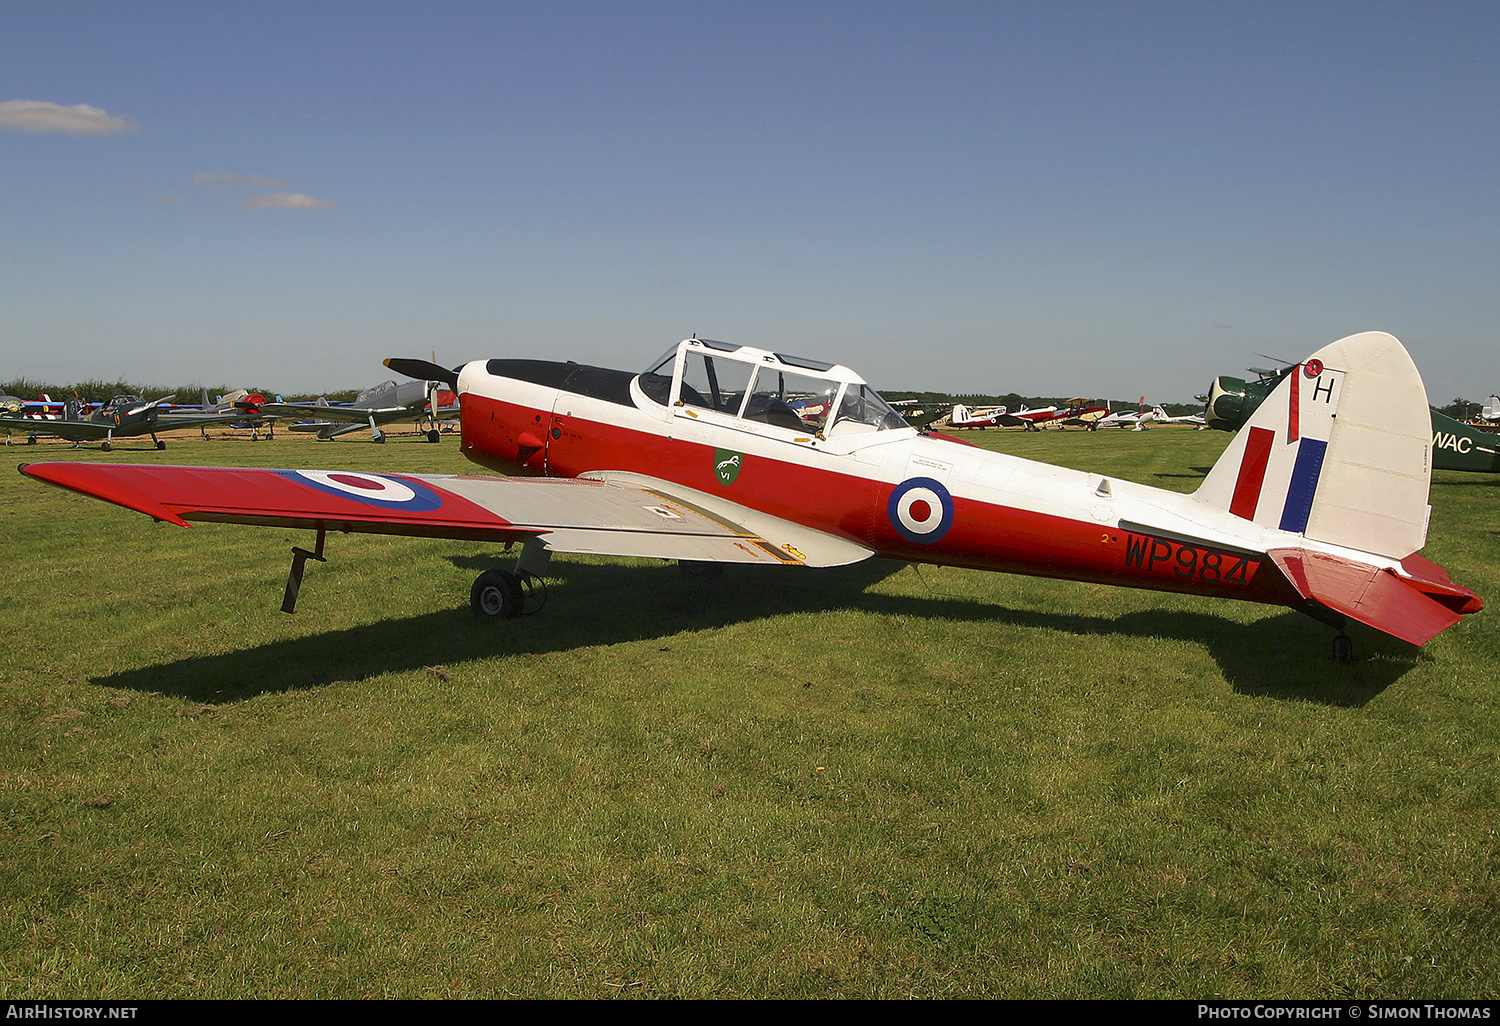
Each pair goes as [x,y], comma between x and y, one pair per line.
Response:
[601,604]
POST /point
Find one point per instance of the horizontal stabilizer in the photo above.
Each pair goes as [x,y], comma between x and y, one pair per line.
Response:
[1412,610]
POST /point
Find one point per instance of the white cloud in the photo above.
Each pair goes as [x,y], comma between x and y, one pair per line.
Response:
[79,119]
[286,201]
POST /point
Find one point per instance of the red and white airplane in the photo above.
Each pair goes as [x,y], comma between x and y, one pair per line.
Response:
[1157,415]
[1121,418]
[1032,420]
[1319,503]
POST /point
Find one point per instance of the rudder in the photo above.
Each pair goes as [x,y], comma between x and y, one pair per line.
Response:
[1339,452]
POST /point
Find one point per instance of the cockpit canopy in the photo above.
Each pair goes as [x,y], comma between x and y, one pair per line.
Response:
[374,390]
[791,392]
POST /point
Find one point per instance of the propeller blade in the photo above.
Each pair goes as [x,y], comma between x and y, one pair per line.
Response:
[424,370]
[151,405]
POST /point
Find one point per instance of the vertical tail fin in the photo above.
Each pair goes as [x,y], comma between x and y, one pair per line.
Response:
[1340,451]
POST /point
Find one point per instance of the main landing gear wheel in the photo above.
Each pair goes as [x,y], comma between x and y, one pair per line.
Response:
[106,447]
[497,595]
[432,436]
[160,445]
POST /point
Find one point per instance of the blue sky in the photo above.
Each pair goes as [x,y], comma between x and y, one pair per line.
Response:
[1097,199]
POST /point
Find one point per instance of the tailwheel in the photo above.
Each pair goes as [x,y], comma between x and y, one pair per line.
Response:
[497,595]
[105,447]
[1343,649]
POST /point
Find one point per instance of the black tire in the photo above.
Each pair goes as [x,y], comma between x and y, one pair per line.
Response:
[496,595]
[433,436]
[1343,649]
[160,445]
[106,447]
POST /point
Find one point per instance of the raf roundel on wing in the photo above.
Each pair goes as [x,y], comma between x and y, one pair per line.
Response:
[372,489]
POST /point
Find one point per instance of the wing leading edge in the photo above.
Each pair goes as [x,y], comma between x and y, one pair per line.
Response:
[639,517]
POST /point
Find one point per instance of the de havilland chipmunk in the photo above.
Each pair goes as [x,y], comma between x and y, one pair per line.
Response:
[1320,503]
[1455,445]
[1075,412]
[127,416]
[385,403]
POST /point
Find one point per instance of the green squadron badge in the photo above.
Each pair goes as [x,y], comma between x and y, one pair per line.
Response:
[727,466]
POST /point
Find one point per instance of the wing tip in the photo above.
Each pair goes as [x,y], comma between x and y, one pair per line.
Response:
[107,484]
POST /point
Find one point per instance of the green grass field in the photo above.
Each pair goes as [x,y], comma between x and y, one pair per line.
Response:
[875,781]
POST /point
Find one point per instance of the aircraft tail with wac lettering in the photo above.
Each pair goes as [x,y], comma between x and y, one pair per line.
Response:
[1340,453]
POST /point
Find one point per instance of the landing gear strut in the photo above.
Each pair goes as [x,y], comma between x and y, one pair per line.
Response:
[1343,645]
[300,557]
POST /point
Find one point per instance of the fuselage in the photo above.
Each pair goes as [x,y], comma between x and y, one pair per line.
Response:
[906,495]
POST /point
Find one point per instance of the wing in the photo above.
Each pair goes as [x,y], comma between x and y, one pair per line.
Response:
[621,515]
[81,429]
[194,418]
[357,414]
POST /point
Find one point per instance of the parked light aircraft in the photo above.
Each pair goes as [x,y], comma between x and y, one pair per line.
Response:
[1075,412]
[702,458]
[1157,415]
[1161,416]
[981,418]
[43,407]
[40,408]
[1455,445]
[387,402]
[1116,418]
[1032,420]
[124,416]
[243,406]
[1080,412]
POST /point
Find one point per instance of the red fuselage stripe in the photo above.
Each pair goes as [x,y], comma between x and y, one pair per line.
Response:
[984,535]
